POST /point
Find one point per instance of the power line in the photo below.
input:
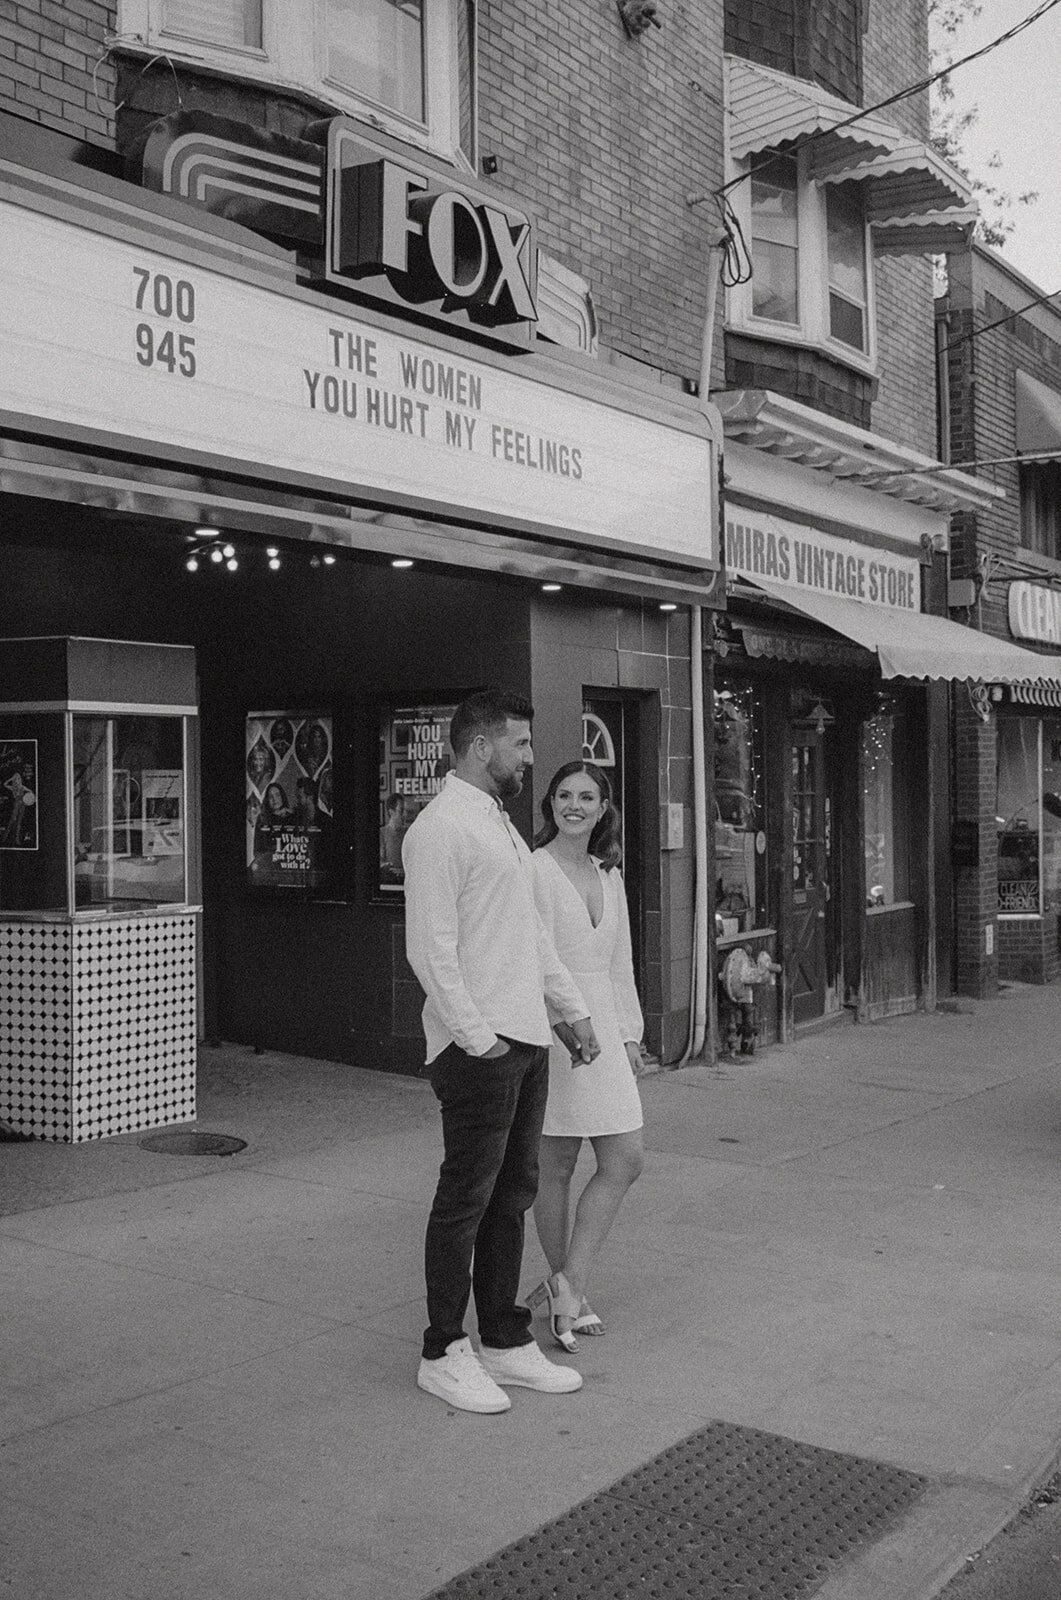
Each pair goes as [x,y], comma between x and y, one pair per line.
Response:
[965,338]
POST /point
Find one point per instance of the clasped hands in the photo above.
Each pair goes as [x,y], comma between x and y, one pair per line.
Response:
[579,1039]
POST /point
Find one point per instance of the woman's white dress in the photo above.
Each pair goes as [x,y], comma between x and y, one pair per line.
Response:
[600,1096]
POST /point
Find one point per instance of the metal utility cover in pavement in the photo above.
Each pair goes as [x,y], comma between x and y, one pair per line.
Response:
[187,1142]
[728,1514]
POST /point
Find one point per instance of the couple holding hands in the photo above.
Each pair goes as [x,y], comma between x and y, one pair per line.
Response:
[516,951]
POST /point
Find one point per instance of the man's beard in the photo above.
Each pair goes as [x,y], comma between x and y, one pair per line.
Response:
[508,784]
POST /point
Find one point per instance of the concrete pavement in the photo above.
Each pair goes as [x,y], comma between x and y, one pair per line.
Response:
[208,1380]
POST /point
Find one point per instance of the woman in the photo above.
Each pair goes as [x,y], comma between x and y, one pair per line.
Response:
[580,896]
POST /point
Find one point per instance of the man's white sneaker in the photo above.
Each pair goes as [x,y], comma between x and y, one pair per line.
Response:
[528,1368]
[458,1377]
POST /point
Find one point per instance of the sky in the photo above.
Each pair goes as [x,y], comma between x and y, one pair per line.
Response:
[1017,91]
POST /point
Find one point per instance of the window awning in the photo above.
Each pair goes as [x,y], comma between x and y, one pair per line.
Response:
[910,644]
[904,179]
[1038,415]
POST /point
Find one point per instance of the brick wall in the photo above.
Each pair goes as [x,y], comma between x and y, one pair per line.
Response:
[54,67]
[607,137]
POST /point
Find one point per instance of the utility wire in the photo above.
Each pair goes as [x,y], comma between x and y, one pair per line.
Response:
[965,338]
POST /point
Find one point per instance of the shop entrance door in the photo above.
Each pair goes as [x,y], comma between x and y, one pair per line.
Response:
[815,992]
[611,738]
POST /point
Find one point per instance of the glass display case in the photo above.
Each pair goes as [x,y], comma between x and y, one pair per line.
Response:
[98,806]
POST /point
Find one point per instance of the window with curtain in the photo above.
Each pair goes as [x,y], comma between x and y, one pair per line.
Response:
[375,48]
[775,238]
[846,254]
[812,270]
[411,64]
[1040,507]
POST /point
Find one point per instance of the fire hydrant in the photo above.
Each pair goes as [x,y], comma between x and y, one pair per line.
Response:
[739,978]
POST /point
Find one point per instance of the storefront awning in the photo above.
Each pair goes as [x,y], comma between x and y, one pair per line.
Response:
[904,178]
[1038,416]
[910,644]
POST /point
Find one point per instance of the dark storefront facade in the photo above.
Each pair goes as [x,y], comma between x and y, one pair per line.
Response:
[353,519]
[830,706]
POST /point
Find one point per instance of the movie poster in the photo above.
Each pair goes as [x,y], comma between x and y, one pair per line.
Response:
[414,758]
[18,794]
[162,794]
[290,809]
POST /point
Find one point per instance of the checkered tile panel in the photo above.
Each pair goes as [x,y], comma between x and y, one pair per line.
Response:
[97,1026]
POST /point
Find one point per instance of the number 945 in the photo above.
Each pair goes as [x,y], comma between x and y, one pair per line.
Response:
[175,352]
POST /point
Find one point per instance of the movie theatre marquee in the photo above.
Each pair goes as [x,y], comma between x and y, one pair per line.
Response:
[126,347]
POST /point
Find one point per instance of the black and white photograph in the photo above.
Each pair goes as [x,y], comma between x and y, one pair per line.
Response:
[530,799]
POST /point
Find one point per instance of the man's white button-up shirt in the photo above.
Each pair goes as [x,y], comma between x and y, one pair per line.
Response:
[472,931]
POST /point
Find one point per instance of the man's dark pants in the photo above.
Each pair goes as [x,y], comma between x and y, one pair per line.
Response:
[492,1115]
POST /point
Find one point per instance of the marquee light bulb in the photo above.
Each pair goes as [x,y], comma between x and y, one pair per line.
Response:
[329,561]
[271,551]
[192,564]
[215,556]
[228,552]
[274,563]
[231,563]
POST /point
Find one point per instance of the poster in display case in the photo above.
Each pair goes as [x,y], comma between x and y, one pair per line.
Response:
[289,801]
[18,794]
[414,757]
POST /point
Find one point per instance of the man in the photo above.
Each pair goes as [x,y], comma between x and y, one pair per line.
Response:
[477,944]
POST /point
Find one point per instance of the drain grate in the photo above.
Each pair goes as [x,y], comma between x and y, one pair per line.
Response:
[187,1142]
[728,1514]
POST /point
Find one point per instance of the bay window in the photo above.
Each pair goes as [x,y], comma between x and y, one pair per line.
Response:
[811,277]
[361,56]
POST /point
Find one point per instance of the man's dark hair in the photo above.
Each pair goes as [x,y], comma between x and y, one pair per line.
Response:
[393,801]
[487,711]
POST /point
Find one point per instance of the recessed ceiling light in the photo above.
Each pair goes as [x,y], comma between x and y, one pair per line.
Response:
[403,562]
[551,588]
[668,605]
[329,561]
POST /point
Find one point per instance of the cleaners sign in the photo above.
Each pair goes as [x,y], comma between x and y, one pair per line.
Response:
[761,546]
[1035,613]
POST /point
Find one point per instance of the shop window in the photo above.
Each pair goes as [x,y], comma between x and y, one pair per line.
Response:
[811,281]
[409,64]
[885,766]
[129,811]
[1019,816]
[740,839]
[1040,507]
[1051,813]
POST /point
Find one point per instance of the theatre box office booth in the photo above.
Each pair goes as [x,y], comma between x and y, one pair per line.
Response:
[348,509]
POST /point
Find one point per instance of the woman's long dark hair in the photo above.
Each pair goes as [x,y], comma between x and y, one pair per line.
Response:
[604,841]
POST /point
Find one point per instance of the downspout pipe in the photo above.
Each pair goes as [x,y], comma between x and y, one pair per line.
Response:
[699,995]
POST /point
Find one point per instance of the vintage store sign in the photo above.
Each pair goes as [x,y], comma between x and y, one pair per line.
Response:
[114,340]
[762,546]
[1035,612]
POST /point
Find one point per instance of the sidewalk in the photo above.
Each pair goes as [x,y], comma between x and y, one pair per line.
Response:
[208,1382]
